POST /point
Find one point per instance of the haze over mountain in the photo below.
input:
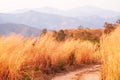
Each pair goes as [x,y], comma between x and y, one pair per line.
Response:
[92,11]
[40,20]
[75,12]
[51,18]
[26,30]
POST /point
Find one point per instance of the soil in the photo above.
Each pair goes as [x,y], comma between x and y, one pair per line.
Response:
[86,73]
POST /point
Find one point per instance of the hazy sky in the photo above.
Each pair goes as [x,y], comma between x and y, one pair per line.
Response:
[11,5]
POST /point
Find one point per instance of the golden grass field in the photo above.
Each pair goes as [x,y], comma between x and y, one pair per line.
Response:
[21,58]
[110,49]
[32,58]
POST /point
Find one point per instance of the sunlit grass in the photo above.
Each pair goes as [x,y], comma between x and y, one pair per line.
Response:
[22,58]
[110,49]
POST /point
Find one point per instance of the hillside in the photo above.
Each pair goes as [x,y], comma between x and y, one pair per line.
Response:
[19,29]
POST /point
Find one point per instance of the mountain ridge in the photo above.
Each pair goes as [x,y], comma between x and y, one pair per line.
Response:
[53,19]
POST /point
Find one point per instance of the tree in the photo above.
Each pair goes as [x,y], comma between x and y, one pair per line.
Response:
[60,35]
[118,21]
[108,28]
[44,31]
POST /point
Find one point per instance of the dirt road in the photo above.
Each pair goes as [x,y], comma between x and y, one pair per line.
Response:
[87,73]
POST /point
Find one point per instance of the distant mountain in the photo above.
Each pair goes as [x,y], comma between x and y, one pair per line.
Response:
[19,29]
[51,18]
[48,10]
[40,20]
[84,11]
[88,11]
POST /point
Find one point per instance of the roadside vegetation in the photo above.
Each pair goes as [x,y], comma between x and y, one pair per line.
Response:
[110,50]
[33,58]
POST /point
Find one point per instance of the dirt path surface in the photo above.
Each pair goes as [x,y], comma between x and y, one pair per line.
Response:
[87,73]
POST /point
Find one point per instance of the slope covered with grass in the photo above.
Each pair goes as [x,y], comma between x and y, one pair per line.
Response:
[31,58]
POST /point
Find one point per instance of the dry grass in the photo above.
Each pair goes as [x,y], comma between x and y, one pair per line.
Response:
[28,58]
[110,49]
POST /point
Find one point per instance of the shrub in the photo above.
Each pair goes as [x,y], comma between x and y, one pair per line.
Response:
[60,35]
[108,28]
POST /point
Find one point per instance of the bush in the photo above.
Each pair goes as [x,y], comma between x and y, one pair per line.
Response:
[60,35]
[108,28]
